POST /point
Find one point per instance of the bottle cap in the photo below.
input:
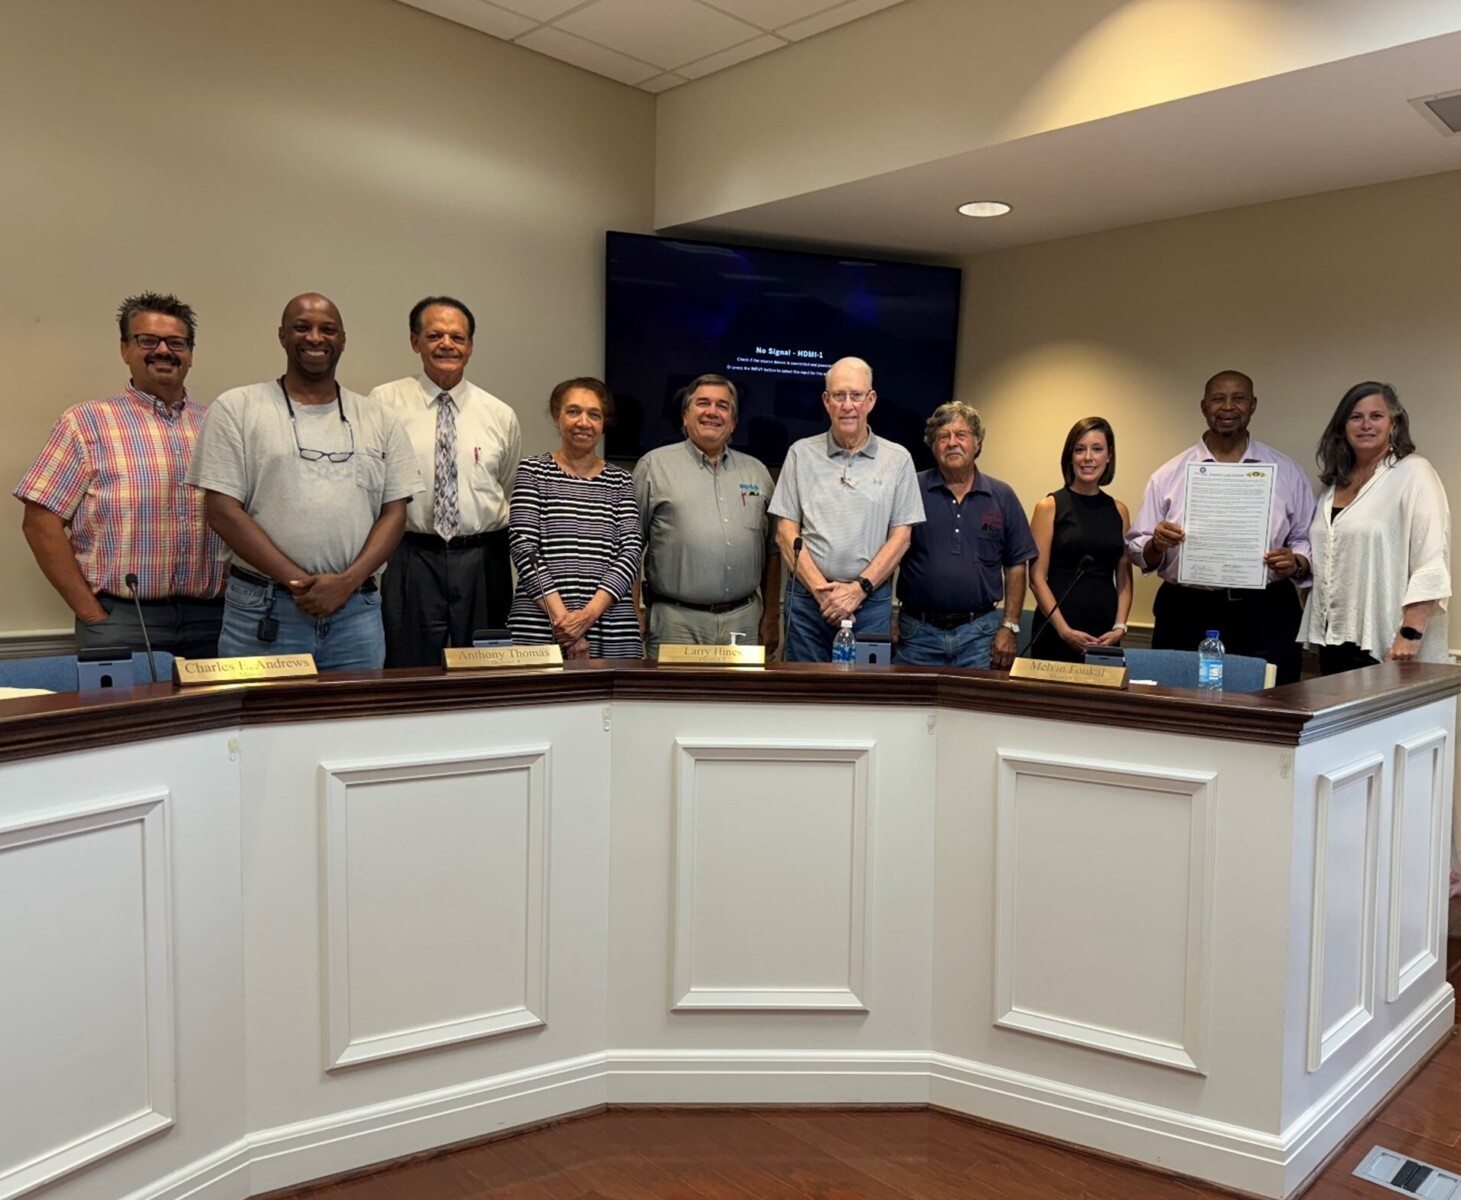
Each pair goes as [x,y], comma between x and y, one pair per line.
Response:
[1212,633]
[847,624]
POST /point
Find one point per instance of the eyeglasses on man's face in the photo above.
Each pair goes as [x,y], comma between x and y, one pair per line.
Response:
[150,341]
[848,397]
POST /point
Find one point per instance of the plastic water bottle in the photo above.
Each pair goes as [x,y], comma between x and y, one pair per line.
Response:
[1210,663]
[844,646]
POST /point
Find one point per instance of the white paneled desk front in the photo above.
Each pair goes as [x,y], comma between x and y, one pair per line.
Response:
[258,935]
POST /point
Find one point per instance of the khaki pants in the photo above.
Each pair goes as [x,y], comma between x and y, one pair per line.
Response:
[673,625]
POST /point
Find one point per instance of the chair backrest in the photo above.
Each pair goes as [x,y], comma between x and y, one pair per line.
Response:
[1178,668]
[57,673]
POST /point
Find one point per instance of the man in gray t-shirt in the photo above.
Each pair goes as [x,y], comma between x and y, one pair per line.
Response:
[307,485]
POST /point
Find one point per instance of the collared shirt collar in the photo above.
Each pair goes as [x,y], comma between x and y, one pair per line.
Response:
[701,458]
[869,447]
[162,408]
[430,391]
[935,479]
[1206,455]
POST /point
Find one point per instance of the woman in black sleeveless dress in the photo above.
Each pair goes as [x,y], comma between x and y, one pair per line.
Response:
[1082,578]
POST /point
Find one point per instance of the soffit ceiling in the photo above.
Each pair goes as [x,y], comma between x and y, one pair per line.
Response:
[653,44]
[1341,125]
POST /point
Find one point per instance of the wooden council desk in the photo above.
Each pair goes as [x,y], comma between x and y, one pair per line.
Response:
[257,935]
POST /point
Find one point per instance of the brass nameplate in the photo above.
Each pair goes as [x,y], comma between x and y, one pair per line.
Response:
[189,672]
[1085,674]
[712,656]
[477,658]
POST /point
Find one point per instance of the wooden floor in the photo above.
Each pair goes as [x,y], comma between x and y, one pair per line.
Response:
[688,1154]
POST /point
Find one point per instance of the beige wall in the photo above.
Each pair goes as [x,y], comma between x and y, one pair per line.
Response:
[238,153]
[1308,296]
[930,79]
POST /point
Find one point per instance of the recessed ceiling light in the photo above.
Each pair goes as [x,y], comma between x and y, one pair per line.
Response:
[984,208]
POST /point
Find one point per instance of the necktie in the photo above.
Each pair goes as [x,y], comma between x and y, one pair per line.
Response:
[445,517]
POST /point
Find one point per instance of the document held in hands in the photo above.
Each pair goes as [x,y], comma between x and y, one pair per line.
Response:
[1226,519]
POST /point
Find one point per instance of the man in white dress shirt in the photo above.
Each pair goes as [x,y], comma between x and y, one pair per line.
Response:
[450,575]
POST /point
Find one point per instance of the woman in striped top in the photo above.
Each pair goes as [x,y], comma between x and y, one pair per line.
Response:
[575,539]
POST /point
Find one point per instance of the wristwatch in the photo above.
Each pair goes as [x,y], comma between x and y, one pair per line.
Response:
[1012,626]
[866,584]
[1410,633]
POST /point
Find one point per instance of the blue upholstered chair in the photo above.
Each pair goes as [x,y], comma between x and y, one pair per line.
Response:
[58,672]
[1178,668]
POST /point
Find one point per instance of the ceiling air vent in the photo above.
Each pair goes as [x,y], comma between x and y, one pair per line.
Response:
[1442,111]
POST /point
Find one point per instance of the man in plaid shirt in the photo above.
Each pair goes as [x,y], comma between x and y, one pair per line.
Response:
[105,502]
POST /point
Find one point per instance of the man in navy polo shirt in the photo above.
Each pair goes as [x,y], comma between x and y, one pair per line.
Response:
[962,583]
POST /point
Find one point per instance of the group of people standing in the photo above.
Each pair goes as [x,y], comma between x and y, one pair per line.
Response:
[297,516]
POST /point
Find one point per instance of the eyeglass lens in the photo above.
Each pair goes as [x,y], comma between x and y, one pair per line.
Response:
[150,341]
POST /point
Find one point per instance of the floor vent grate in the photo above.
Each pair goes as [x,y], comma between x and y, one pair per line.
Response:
[1408,1176]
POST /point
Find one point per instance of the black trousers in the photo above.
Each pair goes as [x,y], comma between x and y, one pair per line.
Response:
[434,595]
[1261,623]
[185,627]
[1347,656]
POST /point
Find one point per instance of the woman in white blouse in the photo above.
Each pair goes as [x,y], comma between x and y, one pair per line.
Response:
[1382,541]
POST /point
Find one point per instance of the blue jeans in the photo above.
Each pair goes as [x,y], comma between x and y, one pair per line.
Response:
[351,639]
[809,637]
[967,645]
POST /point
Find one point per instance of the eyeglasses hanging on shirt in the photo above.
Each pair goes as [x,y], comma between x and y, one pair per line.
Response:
[334,456]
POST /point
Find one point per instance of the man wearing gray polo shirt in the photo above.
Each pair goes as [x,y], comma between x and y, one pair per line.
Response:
[847,502]
[710,565]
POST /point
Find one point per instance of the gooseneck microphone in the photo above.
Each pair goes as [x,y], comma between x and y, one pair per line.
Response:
[1086,563]
[131,582]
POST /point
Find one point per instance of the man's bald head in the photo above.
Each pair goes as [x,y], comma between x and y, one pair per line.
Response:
[312,333]
[306,301]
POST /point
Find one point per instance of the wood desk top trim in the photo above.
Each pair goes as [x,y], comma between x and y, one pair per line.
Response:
[1288,716]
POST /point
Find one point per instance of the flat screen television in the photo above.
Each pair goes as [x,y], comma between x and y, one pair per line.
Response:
[772,321]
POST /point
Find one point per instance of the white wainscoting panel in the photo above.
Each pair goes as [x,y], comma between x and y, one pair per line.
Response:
[1342,945]
[1418,858]
[1103,899]
[86,987]
[772,874]
[435,901]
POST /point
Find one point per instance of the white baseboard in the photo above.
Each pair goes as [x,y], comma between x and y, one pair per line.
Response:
[288,1155]
[293,1154]
[222,1175]
[767,1077]
[1311,1138]
[1229,1155]
[1232,1156]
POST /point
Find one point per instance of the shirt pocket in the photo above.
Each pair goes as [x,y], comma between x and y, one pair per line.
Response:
[753,512]
[370,474]
[990,547]
[487,458]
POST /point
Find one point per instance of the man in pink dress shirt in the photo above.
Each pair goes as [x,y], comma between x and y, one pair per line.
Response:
[1262,622]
